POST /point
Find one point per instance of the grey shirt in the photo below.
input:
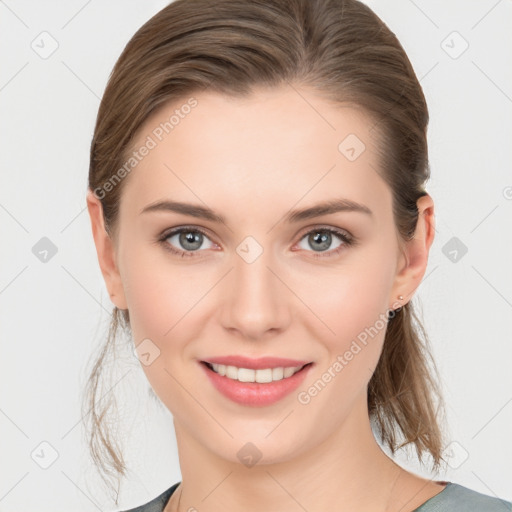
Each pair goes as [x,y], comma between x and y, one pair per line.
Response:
[453,498]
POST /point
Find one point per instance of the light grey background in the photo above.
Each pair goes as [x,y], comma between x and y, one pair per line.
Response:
[54,313]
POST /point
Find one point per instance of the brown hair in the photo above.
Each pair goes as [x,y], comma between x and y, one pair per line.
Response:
[345,53]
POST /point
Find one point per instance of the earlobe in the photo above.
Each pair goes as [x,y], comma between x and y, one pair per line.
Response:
[415,252]
[105,249]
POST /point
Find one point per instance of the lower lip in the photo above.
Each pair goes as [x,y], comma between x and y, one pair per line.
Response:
[256,394]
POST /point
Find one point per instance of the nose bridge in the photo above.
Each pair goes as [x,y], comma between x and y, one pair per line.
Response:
[254,299]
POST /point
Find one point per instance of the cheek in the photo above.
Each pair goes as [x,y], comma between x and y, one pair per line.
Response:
[165,300]
[352,298]
[352,304]
[355,311]
[160,294]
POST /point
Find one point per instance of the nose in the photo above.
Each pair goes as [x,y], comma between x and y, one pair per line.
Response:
[255,300]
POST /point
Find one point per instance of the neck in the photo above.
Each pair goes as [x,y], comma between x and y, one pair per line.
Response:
[346,471]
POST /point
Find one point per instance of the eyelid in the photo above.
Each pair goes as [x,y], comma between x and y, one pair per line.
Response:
[324,227]
[177,229]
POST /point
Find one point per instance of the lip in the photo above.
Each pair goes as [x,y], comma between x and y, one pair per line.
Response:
[256,394]
[255,364]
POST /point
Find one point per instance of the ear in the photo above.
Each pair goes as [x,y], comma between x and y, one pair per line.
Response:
[105,249]
[414,258]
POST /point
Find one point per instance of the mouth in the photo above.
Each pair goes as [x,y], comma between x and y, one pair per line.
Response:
[255,387]
[250,375]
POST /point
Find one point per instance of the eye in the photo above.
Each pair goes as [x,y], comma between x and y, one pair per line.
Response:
[322,238]
[187,239]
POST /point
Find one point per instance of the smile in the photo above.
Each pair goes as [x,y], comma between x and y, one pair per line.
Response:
[241,385]
[263,375]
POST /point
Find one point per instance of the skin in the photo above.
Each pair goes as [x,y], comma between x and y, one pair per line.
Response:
[252,160]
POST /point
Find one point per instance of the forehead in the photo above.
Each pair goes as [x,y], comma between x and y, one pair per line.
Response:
[277,146]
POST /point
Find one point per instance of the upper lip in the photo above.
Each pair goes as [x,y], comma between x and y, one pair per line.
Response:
[255,364]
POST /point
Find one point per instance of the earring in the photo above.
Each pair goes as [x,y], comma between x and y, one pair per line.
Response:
[400,297]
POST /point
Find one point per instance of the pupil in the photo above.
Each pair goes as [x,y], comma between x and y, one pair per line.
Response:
[323,239]
[190,238]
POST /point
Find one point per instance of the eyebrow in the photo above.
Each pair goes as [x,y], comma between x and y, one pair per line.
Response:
[203,212]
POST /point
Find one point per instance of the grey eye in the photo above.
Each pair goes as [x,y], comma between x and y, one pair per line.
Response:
[188,239]
[320,240]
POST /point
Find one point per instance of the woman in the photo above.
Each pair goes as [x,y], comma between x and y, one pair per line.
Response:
[257,200]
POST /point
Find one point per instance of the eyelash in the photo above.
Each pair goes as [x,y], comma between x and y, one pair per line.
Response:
[348,241]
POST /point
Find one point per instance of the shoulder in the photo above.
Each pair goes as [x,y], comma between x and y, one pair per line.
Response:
[455,497]
[157,504]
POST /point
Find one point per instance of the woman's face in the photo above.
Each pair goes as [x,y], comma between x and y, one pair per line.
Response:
[266,282]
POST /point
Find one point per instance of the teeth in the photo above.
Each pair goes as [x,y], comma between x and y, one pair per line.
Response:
[248,375]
